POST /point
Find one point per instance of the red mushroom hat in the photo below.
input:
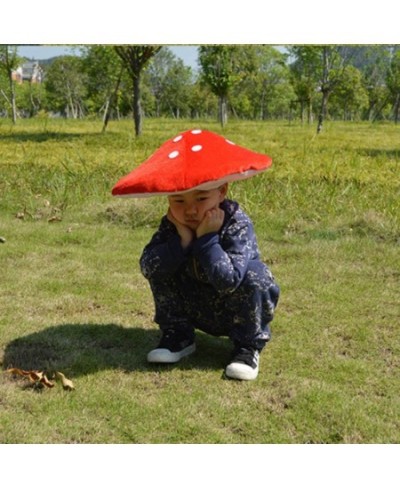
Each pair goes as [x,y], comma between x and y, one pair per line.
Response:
[195,159]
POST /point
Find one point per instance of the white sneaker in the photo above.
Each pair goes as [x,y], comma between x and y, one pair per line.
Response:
[244,364]
[173,346]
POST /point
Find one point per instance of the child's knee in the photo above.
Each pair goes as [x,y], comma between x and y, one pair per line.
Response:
[258,278]
[274,293]
[259,288]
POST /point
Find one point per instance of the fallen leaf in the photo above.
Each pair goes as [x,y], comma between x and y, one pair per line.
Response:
[66,383]
[21,372]
[54,218]
[33,376]
[45,381]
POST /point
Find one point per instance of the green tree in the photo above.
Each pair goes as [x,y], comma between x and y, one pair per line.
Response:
[373,62]
[177,90]
[66,86]
[393,84]
[265,89]
[350,97]
[328,64]
[305,77]
[135,59]
[170,81]
[220,70]
[30,98]
[104,70]
[202,101]
[9,61]
[156,76]
[333,63]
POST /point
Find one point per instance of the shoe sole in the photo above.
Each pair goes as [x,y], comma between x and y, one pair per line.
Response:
[166,356]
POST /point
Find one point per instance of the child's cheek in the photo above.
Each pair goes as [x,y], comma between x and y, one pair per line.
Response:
[177,215]
[173,211]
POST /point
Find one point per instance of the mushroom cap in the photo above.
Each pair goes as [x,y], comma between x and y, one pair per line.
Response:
[193,160]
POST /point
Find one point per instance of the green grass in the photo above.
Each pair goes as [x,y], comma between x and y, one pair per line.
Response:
[73,299]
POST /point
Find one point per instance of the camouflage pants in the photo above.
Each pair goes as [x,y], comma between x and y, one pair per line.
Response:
[182,302]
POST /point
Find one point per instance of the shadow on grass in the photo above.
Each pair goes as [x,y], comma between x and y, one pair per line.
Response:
[381,153]
[81,349]
[44,136]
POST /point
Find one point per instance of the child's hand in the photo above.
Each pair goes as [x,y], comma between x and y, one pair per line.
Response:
[184,232]
[212,222]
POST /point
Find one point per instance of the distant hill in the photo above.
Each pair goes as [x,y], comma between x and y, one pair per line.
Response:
[42,62]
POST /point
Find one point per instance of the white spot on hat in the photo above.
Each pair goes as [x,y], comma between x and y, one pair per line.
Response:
[196,131]
[197,148]
[173,154]
[177,138]
[229,142]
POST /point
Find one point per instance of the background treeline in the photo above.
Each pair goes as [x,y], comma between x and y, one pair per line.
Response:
[257,82]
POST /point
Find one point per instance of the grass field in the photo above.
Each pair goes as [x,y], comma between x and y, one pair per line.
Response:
[73,299]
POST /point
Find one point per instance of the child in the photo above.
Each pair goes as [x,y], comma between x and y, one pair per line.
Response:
[205,272]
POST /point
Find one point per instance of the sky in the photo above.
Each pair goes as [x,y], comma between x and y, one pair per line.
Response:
[187,53]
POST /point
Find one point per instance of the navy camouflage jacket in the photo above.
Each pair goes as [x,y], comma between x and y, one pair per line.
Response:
[219,259]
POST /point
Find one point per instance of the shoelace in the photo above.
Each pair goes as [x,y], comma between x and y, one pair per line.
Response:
[167,337]
[247,356]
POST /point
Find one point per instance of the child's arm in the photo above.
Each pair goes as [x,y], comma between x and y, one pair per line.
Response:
[164,253]
[225,260]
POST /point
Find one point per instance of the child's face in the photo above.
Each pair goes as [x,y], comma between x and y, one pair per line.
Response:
[189,208]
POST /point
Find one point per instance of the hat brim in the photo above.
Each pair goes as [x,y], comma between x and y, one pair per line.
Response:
[206,186]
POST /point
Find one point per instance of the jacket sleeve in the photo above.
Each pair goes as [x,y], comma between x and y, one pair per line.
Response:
[164,253]
[225,259]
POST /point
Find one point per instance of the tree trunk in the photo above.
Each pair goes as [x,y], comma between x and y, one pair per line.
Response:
[13,104]
[135,58]
[12,88]
[370,113]
[324,89]
[309,112]
[32,108]
[302,111]
[378,110]
[137,110]
[396,109]
[262,108]
[323,110]
[222,110]
[110,102]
